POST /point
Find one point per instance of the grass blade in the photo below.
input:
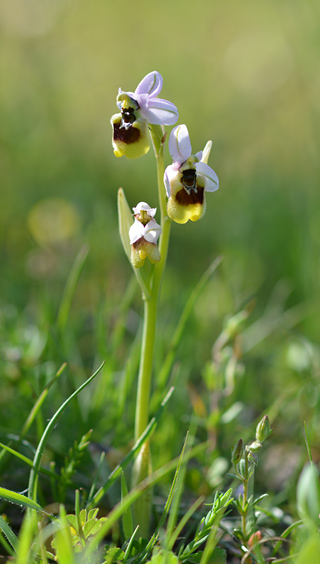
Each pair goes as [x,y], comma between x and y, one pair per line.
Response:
[127,519]
[19,499]
[26,537]
[134,494]
[8,533]
[29,462]
[39,402]
[33,480]
[136,447]
[70,287]
[33,413]
[169,360]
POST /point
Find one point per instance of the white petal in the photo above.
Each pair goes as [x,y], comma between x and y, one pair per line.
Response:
[152,231]
[179,144]
[167,182]
[151,84]
[206,152]
[143,206]
[158,111]
[136,231]
[211,179]
[171,173]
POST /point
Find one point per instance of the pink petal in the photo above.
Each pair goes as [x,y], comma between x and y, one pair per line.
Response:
[159,112]
[151,84]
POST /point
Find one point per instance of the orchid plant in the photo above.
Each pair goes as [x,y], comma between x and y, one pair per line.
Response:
[181,196]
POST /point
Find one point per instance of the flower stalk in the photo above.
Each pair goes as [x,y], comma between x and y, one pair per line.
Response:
[181,197]
[244,460]
[146,362]
[142,466]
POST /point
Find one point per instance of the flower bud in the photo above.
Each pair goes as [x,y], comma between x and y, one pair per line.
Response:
[252,457]
[254,539]
[234,324]
[263,430]
[255,446]
[237,452]
[143,235]
[242,468]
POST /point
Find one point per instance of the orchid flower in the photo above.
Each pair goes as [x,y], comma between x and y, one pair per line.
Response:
[139,108]
[144,235]
[188,178]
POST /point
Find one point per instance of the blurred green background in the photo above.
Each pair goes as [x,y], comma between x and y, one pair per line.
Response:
[244,74]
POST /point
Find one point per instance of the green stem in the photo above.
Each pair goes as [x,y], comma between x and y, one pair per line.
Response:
[248,515]
[142,466]
[151,303]
[245,496]
[146,360]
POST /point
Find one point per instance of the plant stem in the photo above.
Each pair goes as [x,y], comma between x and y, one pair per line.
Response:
[245,496]
[248,515]
[151,304]
[146,361]
[142,466]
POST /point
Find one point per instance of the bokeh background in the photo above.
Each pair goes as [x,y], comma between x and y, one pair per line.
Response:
[244,74]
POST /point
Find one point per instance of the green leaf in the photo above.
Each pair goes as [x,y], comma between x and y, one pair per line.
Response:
[26,538]
[163,557]
[63,541]
[116,473]
[8,532]
[218,556]
[127,520]
[308,498]
[130,545]
[19,499]
[33,479]
[125,222]
[310,550]
[170,358]
[259,499]
[134,494]
[114,554]
[70,287]
[29,462]
[207,529]
[177,488]
[143,274]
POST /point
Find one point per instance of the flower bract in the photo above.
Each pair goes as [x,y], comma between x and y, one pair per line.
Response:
[137,109]
[188,178]
[144,235]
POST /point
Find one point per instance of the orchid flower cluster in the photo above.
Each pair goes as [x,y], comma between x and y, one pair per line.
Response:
[181,193]
[186,180]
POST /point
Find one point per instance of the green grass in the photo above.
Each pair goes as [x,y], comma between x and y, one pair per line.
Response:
[236,344]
